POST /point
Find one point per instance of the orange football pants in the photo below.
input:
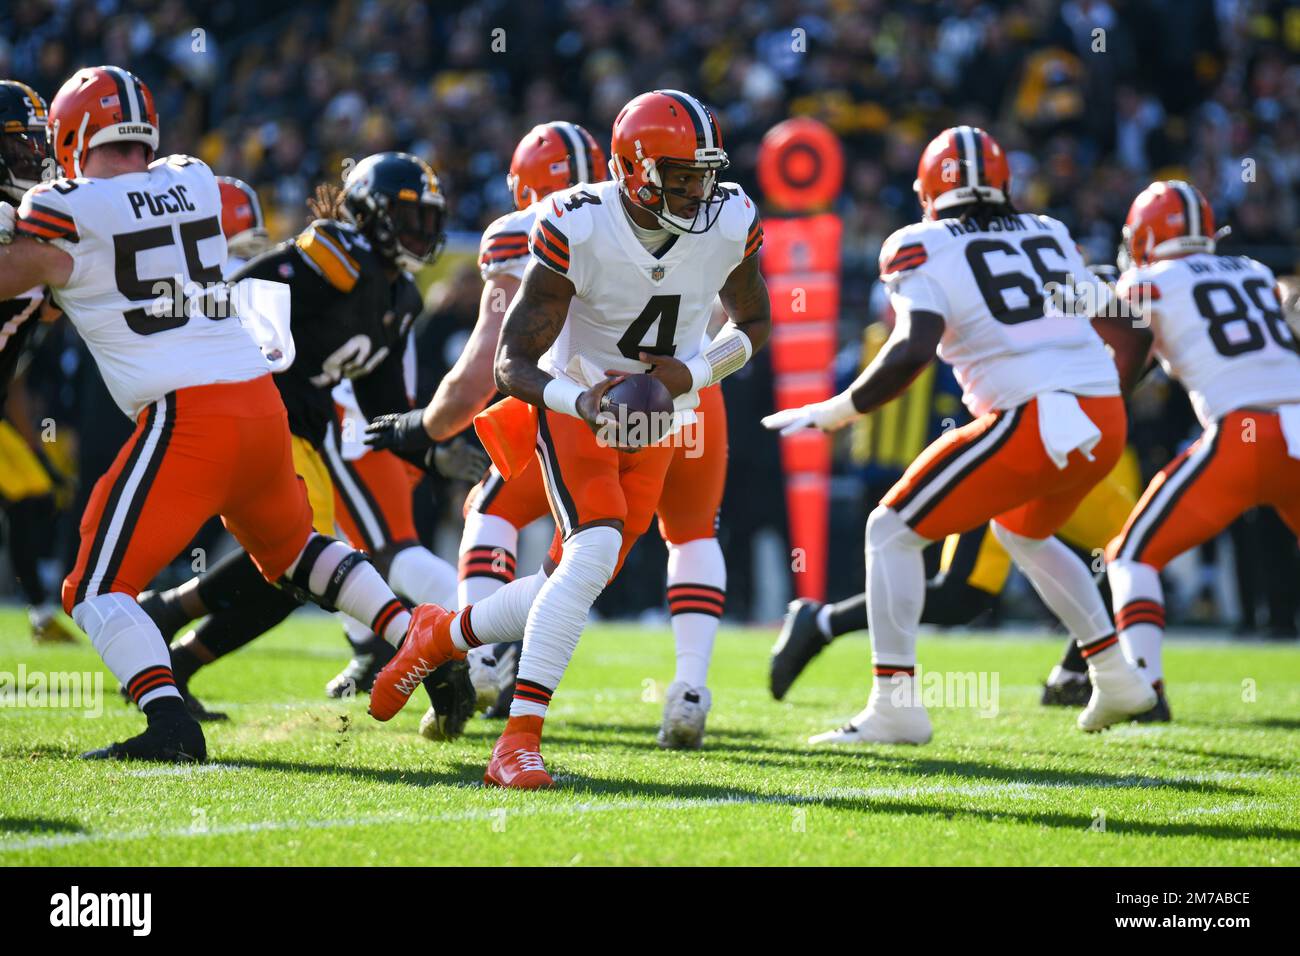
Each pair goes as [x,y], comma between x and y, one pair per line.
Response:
[220,449]
[996,468]
[1239,463]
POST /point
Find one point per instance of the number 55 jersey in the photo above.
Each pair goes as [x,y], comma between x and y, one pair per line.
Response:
[145,248]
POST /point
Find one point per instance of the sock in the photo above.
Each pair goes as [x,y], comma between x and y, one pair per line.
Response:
[357,633]
[823,620]
[557,617]
[845,617]
[1073,660]
[896,591]
[487,557]
[338,577]
[24,544]
[697,591]
[1139,603]
[419,574]
[499,618]
[130,644]
[1062,580]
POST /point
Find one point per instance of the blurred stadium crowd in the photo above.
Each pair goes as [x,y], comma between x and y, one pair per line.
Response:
[1093,99]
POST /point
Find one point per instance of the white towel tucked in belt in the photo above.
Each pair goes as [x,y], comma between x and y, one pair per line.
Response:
[1063,427]
[1289,415]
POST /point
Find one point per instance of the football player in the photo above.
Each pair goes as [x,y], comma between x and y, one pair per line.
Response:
[27,478]
[1216,324]
[551,157]
[353,303]
[974,280]
[242,222]
[973,569]
[130,245]
[624,280]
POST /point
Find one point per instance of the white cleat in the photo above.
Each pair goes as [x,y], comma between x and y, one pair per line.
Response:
[491,669]
[686,709]
[1119,692]
[881,722]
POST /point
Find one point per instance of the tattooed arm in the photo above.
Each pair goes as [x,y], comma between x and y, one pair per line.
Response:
[744,296]
[532,322]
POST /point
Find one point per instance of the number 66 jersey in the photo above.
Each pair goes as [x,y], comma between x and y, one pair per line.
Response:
[145,248]
[1002,287]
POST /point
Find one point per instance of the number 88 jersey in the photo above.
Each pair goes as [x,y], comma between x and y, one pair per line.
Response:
[629,300]
[1008,290]
[1219,329]
[144,247]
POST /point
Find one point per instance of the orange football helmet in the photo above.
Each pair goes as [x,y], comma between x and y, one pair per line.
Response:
[553,156]
[666,128]
[98,105]
[241,218]
[963,164]
[1167,219]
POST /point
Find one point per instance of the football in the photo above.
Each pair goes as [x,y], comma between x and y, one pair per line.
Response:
[642,410]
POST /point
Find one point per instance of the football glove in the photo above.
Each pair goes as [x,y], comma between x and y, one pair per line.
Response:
[829,415]
[404,432]
[7,223]
[460,460]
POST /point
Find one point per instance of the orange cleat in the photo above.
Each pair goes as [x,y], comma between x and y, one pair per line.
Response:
[517,758]
[427,644]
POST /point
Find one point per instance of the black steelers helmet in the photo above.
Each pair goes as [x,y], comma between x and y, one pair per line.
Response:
[397,203]
[22,138]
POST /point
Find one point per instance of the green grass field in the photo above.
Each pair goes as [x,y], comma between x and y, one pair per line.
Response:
[297,779]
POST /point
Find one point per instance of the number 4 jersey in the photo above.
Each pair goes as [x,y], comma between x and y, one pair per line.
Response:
[996,287]
[133,239]
[1219,329]
[629,300]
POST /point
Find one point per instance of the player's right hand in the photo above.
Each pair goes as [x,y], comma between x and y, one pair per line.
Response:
[832,414]
[589,403]
[404,432]
[8,218]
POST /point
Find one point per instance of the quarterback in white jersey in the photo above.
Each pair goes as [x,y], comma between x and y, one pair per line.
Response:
[989,289]
[130,248]
[1217,326]
[624,280]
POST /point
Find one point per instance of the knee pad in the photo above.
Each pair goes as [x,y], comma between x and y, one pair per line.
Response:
[590,556]
[886,529]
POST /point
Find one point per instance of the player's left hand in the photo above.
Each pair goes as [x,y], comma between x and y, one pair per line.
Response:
[830,415]
[8,217]
[460,460]
[670,370]
[404,432]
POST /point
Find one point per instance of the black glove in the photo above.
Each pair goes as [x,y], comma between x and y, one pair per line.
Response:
[401,433]
[460,460]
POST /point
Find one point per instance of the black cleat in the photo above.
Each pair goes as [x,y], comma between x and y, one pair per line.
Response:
[1067,693]
[1159,714]
[171,740]
[358,677]
[798,643]
[452,696]
[195,706]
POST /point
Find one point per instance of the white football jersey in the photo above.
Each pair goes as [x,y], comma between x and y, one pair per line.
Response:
[133,240]
[503,250]
[1219,329]
[629,300]
[1006,335]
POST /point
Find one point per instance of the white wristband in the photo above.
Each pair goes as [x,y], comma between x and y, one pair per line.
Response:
[727,353]
[561,395]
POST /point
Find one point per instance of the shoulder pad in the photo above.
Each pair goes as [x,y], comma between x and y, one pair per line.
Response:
[327,246]
[45,212]
[739,215]
[506,239]
[563,221]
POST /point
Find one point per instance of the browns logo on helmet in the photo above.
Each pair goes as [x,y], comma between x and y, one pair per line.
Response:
[1167,219]
[241,218]
[99,105]
[962,165]
[658,131]
[553,156]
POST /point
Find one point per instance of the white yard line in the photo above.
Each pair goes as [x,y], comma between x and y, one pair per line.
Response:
[1013,789]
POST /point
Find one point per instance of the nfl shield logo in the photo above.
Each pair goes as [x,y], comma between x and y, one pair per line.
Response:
[657,273]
